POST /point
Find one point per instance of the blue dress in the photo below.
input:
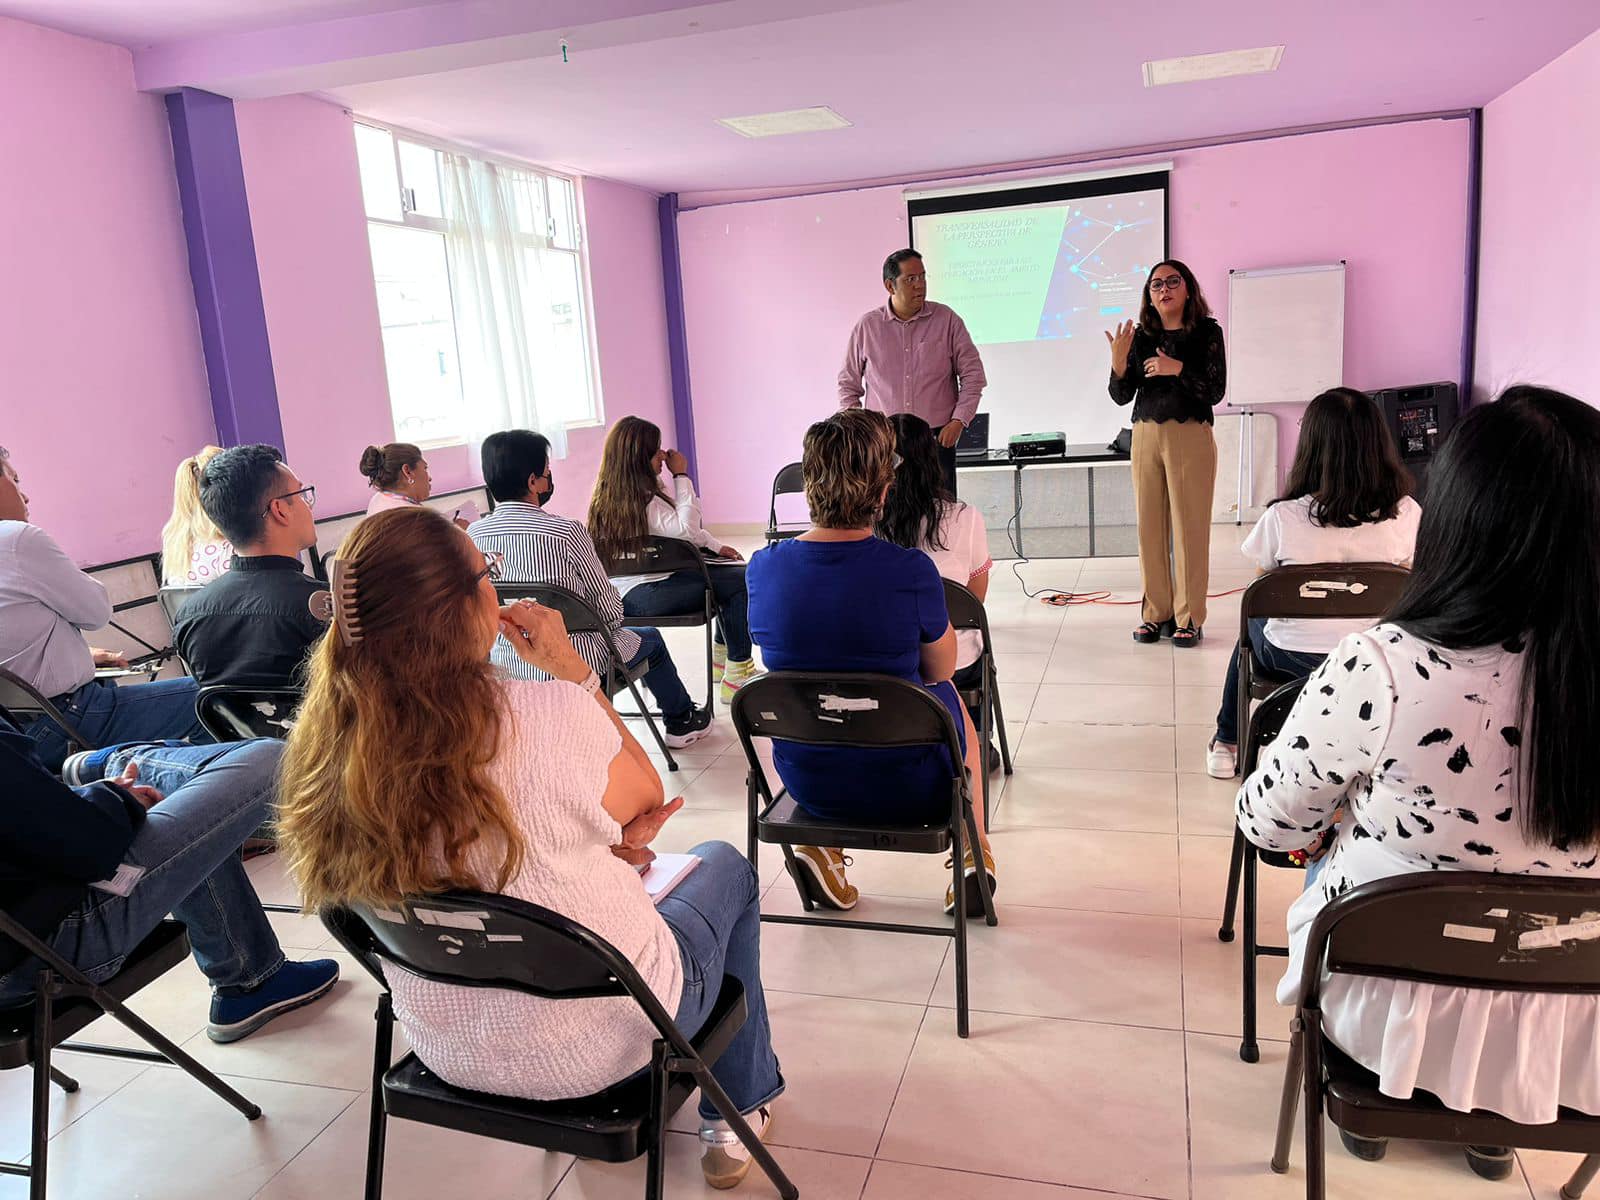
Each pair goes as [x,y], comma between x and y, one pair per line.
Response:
[865,605]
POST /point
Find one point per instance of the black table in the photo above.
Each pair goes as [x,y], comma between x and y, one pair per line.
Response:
[1087,455]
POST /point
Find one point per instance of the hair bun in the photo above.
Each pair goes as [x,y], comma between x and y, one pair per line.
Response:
[372,462]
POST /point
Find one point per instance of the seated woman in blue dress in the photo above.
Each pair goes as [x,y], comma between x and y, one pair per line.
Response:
[836,598]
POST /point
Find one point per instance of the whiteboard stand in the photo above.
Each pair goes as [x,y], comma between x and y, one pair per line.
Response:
[1247,462]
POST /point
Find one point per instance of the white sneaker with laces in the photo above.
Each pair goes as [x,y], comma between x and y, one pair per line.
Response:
[724,1159]
[1222,760]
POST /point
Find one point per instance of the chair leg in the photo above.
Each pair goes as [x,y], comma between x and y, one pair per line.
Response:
[378,1119]
[1316,1160]
[39,1143]
[711,669]
[741,1128]
[63,1081]
[655,730]
[999,718]
[1231,902]
[980,878]
[1248,1049]
[1581,1178]
[1290,1102]
[959,884]
[985,731]
[794,868]
[655,1168]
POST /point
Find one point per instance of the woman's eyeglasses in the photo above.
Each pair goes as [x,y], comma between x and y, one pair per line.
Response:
[493,567]
[1167,283]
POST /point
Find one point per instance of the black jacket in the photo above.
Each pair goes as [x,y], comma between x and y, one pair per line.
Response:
[54,840]
[254,626]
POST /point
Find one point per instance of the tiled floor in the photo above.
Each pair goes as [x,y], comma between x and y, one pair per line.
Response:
[1103,1059]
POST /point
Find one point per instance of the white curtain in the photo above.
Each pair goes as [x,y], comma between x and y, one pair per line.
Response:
[495,233]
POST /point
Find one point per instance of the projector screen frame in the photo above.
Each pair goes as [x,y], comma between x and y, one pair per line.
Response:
[1050,193]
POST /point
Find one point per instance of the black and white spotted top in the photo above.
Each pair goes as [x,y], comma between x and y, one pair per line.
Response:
[1417,745]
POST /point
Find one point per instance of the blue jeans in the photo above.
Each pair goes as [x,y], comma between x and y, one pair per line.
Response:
[189,849]
[1291,664]
[108,715]
[662,677]
[681,593]
[715,914]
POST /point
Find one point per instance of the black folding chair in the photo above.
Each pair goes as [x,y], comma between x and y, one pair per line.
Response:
[1312,591]
[967,612]
[1265,724]
[172,598]
[474,940]
[858,710]
[788,482]
[665,556]
[232,713]
[580,616]
[65,1001]
[25,703]
[1390,929]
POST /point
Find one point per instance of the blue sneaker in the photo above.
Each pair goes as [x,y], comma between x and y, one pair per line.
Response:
[291,986]
[89,766]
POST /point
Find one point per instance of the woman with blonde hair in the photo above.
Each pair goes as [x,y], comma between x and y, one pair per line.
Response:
[414,768]
[193,550]
[630,505]
[838,598]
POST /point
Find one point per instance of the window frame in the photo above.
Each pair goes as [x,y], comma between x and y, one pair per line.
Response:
[410,219]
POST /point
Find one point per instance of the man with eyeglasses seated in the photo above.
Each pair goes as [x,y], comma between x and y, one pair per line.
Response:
[911,355]
[46,604]
[254,625]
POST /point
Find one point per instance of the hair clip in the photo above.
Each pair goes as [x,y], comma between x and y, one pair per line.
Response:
[346,611]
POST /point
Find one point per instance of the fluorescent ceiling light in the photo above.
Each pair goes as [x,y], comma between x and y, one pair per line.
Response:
[796,120]
[1195,67]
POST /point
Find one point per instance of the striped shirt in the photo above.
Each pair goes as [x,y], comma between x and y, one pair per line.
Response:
[540,547]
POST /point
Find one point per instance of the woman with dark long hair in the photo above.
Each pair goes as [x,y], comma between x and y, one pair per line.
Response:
[921,514]
[1451,738]
[1347,500]
[1172,368]
[415,767]
[630,505]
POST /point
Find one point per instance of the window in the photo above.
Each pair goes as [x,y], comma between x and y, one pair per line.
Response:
[415,225]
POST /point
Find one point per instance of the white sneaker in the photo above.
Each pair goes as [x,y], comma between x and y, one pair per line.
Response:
[1222,760]
[724,1159]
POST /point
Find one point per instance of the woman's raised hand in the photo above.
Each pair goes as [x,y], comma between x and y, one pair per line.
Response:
[539,636]
[1121,343]
[677,463]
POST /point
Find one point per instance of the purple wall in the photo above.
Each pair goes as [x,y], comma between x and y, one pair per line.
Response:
[97,316]
[772,287]
[1541,230]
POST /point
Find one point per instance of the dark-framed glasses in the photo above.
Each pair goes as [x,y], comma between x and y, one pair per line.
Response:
[309,492]
[1166,283]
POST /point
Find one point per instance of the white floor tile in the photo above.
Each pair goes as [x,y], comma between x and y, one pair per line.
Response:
[902,1181]
[1098,746]
[817,1176]
[1067,798]
[1111,703]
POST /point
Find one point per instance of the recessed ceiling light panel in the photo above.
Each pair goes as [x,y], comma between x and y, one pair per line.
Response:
[1195,67]
[796,120]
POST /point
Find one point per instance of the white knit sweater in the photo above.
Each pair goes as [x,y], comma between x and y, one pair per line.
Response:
[556,750]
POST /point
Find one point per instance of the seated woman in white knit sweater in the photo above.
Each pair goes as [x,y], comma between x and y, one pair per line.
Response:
[414,767]
[1451,737]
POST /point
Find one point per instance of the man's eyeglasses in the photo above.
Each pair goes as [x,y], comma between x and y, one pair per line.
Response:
[309,492]
[909,280]
[493,566]
[1166,283]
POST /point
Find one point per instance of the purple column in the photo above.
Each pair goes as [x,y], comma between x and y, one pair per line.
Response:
[677,331]
[222,267]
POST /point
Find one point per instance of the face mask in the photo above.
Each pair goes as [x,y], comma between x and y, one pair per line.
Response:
[551,493]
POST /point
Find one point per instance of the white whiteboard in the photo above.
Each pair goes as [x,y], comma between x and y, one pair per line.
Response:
[1285,334]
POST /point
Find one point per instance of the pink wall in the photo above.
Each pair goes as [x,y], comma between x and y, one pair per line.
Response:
[322,310]
[105,387]
[1541,236]
[772,287]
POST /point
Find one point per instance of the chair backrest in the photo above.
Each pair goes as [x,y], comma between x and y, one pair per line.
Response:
[1266,722]
[659,556]
[23,701]
[786,482]
[1342,590]
[842,709]
[1523,933]
[577,614]
[474,939]
[172,598]
[966,610]
[232,713]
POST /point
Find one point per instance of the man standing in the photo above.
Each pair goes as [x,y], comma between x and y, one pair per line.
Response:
[914,356]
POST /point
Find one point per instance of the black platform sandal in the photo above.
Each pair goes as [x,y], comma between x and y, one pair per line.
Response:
[1188,637]
[1151,632]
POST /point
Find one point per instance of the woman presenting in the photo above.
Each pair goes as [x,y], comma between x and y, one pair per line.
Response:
[1172,368]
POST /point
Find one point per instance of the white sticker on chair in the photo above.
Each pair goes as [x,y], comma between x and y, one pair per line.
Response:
[833,704]
[1469,933]
[451,920]
[1554,935]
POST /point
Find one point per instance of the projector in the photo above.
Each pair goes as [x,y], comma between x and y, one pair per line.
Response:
[1038,445]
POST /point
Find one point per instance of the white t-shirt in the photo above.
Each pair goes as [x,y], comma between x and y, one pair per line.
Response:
[967,554]
[679,519]
[1286,536]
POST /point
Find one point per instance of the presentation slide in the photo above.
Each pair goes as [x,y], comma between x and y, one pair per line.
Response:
[1037,286]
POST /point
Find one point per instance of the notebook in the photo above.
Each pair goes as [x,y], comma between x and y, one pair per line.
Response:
[666,873]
